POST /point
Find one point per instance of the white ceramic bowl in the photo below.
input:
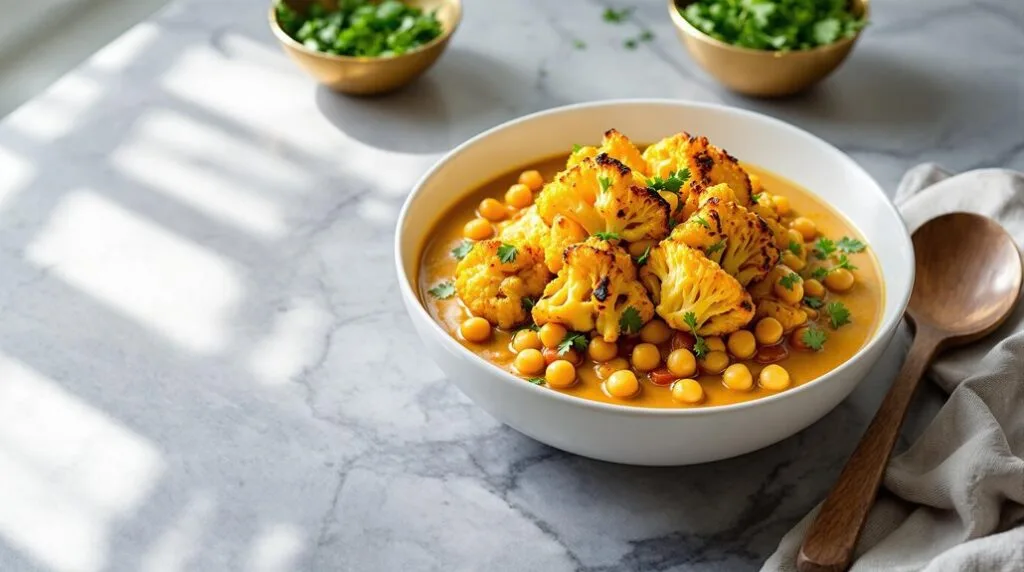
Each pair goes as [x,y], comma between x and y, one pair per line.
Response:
[635,435]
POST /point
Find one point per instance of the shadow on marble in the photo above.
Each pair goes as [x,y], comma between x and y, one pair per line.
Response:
[465,93]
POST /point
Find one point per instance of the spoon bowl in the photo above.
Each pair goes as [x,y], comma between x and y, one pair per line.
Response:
[968,276]
[968,279]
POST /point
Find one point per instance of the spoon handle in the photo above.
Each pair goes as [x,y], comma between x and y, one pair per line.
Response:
[829,543]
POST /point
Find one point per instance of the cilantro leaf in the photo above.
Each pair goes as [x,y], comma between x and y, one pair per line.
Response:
[756,199]
[573,341]
[773,24]
[672,183]
[701,221]
[642,259]
[814,338]
[576,148]
[528,303]
[824,248]
[794,247]
[616,16]
[812,302]
[844,262]
[790,280]
[700,347]
[690,319]
[715,247]
[443,291]
[460,251]
[850,245]
[605,182]
[838,315]
[630,322]
[607,235]
[820,273]
[507,253]
[537,380]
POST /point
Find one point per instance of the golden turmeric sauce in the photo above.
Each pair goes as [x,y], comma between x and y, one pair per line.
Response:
[864,301]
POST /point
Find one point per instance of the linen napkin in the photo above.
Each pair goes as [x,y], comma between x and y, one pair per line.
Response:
[954,501]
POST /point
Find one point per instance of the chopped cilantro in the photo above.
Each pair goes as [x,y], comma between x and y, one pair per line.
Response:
[573,341]
[616,16]
[605,182]
[528,303]
[774,25]
[443,291]
[579,44]
[812,302]
[824,248]
[715,247]
[789,280]
[700,347]
[537,380]
[576,148]
[814,338]
[672,184]
[756,199]
[607,235]
[844,262]
[630,322]
[794,247]
[701,221]
[646,36]
[642,259]
[850,245]
[507,253]
[460,251]
[820,273]
[630,44]
[838,314]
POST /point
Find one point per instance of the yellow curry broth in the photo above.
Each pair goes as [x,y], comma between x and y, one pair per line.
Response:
[863,301]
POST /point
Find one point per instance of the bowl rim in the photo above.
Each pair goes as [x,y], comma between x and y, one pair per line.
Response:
[684,25]
[291,42]
[412,299]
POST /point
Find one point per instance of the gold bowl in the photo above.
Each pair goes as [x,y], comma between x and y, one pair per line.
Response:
[762,73]
[364,75]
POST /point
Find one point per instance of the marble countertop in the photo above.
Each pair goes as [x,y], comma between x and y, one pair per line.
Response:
[203,364]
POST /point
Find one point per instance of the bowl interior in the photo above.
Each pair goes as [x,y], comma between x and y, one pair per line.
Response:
[766,142]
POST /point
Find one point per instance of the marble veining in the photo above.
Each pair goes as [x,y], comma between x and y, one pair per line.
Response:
[203,361]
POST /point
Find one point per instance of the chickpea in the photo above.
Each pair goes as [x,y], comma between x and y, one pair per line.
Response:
[478,229]
[519,196]
[492,210]
[768,331]
[792,294]
[637,249]
[672,199]
[602,351]
[531,179]
[560,374]
[781,204]
[715,344]
[813,288]
[526,339]
[773,378]
[687,391]
[622,384]
[793,261]
[552,334]
[839,280]
[805,227]
[738,377]
[655,332]
[475,329]
[742,344]
[795,236]
[551,355]
[682,363]
[605,370]
[646,357]
[715,362]
[529,361]
[811,313]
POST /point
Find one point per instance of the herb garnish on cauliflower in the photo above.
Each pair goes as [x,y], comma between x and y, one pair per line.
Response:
[495,279]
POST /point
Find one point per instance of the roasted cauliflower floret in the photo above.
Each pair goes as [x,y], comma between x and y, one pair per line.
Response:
[682,281]
[595,288]
[526,228]
[600,195]
[564,233]
[495,290]
[738,240]
[791,317]
[708,166]
[615,145]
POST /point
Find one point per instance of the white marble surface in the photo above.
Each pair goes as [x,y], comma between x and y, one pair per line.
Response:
[203,363]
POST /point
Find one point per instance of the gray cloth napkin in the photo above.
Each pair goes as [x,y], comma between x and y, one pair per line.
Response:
[954,501]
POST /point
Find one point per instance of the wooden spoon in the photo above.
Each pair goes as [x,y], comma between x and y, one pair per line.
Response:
[968,279]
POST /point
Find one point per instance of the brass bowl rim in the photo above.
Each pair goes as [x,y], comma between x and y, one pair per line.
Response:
[283,37]
[689,29]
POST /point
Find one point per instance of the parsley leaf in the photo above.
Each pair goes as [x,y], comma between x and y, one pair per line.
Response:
[824,248]
[537,380]
[576,148]
[838,315]
[700,348]
[616,16]
[715,247]
[607,235]
[507,253]
[701,221]
[605,182]
[528,303]
[794,247]
[820,273]
[844,262]
[642,259]
[789,280]
[850,245]
[812,302]
[573,341]
[814,338]
[460,251]
[630,322]
[443,291]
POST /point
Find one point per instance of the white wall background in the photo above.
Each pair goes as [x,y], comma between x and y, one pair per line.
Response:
[40,40]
